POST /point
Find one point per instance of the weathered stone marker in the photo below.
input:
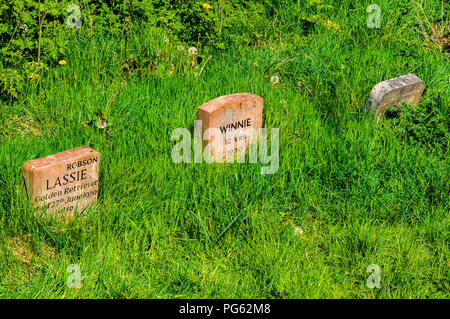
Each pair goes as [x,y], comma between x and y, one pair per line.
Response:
[66,181]
[233,121]
[407,88]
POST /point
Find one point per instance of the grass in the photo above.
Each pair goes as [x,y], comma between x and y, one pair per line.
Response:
[362,192]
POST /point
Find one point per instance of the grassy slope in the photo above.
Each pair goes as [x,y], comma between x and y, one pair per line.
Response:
[361,193]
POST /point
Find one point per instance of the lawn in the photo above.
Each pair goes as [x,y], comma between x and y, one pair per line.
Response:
[349,191]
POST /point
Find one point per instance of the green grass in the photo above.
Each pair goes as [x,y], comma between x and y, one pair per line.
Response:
[362,192]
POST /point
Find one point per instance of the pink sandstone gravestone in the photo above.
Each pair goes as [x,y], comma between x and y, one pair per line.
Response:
[236,118]
[64,182]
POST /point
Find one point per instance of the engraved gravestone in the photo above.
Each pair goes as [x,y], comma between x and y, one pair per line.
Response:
[233,121]
[64,182]
[407,88]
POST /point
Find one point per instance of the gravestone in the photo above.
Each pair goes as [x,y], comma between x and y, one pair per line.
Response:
[64,182]
[236,119]
[407,88]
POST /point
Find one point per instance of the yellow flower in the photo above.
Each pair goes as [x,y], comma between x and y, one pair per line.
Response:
[33,76]
[62,62]
[207,6]
[332,26]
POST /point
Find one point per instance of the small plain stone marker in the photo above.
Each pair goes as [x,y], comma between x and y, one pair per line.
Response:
[64,182]
[235,117]
[407,88]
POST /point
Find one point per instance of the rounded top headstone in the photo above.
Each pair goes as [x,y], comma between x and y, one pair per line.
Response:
[407,88]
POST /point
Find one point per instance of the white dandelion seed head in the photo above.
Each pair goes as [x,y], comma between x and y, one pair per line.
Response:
[101,124]
[274,79]
[192,51]
[166,39]
[298,230]
[180,48]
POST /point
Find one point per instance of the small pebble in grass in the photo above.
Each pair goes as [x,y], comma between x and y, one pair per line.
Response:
[342,67]
[298,230]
